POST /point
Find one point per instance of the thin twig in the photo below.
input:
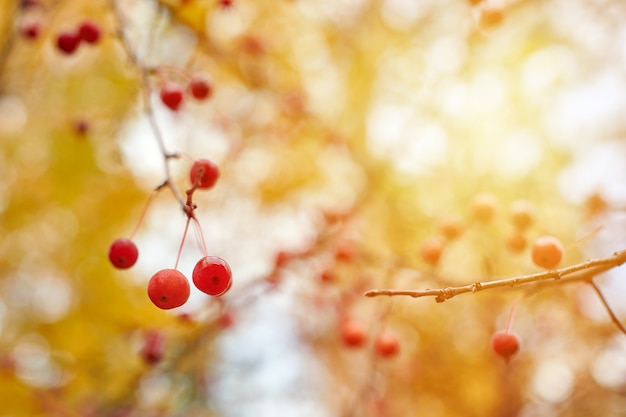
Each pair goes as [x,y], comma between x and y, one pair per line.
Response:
[614,318]
[583,270]
[145,73]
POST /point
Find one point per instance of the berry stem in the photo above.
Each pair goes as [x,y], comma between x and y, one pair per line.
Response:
[153,195]
[182,242]
[511,316]
[205,252]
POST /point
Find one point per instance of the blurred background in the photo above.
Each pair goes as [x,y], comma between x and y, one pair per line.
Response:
[362,144]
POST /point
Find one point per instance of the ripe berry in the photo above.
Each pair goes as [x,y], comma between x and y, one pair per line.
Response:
[204,173]
[172,96]
[123,253]
[450,227]
[491,17]
[153,347]
[516,241]
[67,42]
[504,344]
[547,252]
[521,214]
[431,250]
[30,30]
[387,344]
[483,207]
[345,251]
[89,32]
[168,289]
[212,275]
[200,89]
[353,333]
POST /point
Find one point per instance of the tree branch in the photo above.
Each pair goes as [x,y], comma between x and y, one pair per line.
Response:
[145,73]
[582,271]
[614,318]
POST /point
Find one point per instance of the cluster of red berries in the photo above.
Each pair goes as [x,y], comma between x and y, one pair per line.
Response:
[169,288]
[68,41]
[353,333]
[172,93]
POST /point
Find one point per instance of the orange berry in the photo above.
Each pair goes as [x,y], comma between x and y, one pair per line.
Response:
[547,252]
[491,17]
[516,241]
[521,214]
[484,207]
[353,333]
[431,250]
[387,344]
[450,227]
[595,204]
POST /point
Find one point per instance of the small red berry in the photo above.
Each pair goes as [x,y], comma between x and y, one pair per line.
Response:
[200,89]
[212,275]
[89,32]
[67,42]
[168,289]
[123,253]
[31,30]
[353,333]
[225,3]
[81,127]
[504,344]
[387,344]
[172,96]
[153,347]
[204,173]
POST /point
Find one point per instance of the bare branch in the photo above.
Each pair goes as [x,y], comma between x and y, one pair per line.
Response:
[582,271]
[145,73]
[614,318]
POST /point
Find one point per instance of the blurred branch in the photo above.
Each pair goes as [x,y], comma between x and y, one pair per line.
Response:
[614,318]
[582,271]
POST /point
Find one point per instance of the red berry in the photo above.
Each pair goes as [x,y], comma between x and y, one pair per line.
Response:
[353,333]
[172,96]
[30,30]
[212,275]
[387,344]
[67,42]
[200,88]
[81,127]
[168,289]
[547,252]
[123,253]
[504,344]
[153,347]
[204,173]
[89,32]
[225,3]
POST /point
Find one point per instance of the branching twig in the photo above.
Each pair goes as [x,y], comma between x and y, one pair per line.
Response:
[608,308]
[145,73]
[582,271]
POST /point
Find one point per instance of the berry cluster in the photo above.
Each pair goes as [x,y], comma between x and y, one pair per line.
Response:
[172,93]
[546,252]
[353,334]
[87,32]
[169,288]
